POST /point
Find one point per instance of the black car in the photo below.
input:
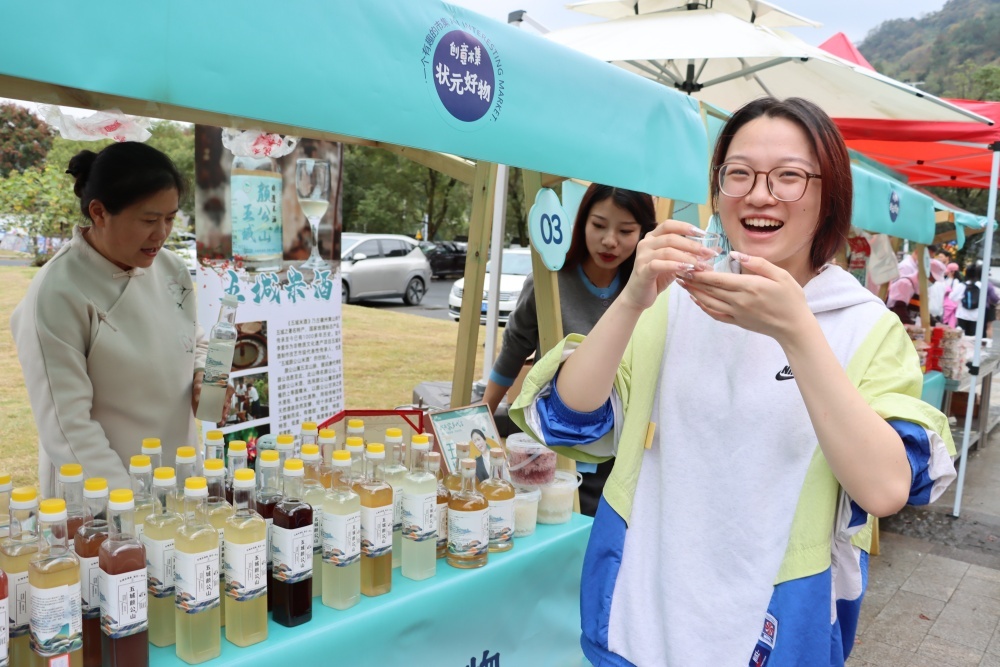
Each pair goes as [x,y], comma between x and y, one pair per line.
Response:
[447,258]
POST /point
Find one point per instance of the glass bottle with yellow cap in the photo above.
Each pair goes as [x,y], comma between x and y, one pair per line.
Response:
[158,539]
[314,493]
[215,445]
[16,551]
[419,515]
[395,473]
[268,495]
[245,566]
[327,445]
[196,579]
[236,460]
[356,429]
[5,488]
[218,510]
[308,435]
[140,471]
[468,522]
[69,487]
[54,592]
[291,551]
[185,465]
[124,612]
[376,524]
[151,447]
[355,447]
[87,544]
[341,538]
[285,445]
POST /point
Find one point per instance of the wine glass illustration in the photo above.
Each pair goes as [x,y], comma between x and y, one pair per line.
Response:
[312,185]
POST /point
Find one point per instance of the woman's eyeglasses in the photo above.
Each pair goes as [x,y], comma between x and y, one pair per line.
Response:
[785,184]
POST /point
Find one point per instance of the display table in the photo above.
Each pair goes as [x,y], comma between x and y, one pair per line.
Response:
[988,362]
[524,605]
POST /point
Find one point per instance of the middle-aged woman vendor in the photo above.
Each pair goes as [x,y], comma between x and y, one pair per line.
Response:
[107,334]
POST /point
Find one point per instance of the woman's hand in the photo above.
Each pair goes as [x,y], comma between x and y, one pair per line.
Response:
[659,258]
[199,376]
[764,298]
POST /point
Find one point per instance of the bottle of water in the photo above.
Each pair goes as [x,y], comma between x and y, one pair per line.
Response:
[219,363]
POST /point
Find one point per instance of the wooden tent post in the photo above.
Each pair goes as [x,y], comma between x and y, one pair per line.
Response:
[925,312]
[480,225]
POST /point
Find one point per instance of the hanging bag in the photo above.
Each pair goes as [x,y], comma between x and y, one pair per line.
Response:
[882,265]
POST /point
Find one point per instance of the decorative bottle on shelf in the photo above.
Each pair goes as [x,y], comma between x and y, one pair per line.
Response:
[158,539]
[54,584]
[87,544]
[419,515]
[196,579]
[16,551]
[255,206]
[218,363]
[291,551]
[245,566]
[499,493]
[341,538]
[468,522]
[124,622]
[376,524]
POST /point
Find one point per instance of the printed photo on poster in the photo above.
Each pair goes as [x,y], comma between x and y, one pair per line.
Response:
[248,399]
[250,435]
[251,346]
[474,425]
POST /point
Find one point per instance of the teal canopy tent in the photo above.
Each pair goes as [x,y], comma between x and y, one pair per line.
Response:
[883,205]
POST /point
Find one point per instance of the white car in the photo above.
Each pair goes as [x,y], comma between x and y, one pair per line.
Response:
[516,267]
[377,266]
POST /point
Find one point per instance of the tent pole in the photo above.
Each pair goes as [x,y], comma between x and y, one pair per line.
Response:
[496,260]
[984,411]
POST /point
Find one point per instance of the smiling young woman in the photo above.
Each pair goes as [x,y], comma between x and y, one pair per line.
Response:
[107,335]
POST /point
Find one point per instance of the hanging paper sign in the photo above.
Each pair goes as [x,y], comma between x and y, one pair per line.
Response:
[550,229]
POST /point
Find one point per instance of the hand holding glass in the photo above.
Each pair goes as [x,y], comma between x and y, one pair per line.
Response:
[714,241]
[312,185]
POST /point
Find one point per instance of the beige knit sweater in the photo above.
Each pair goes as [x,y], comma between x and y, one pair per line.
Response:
[108,357]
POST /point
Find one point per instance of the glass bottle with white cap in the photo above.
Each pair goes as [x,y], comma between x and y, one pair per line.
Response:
[341,538]
[16,551]
[158,539]
[245,565]
[196,579]
[217,509]
[314,493]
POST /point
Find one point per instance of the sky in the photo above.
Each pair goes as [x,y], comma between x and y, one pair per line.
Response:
[852,17]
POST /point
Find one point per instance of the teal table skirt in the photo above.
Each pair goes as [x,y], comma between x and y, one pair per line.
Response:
[523,605]
[933,391]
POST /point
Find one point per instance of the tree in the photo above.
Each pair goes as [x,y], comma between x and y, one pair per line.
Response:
[40,201]
[25,139]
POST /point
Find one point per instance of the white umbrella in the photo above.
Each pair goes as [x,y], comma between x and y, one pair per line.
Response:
[727,61]
[754,11]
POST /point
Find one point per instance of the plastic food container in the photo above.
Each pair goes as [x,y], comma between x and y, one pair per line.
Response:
[529,462]
[556,503]
[525,511]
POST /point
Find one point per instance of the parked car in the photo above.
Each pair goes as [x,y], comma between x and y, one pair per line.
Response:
[516,267]
[376,266]
[447,258]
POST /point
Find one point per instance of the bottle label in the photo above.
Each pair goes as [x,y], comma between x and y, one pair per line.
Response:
[341,538]
[418,516]
[397,508]
[268,538]
[4,638]
[90,587]
[56,621]
[246,570]
[468,532]
[442,523]
[376,530]
[501,521]
[123,603]
[222,557]
[317,531]
[19,590]
[291,553]
[256,211]
[196,580]
[219,362]
[159,566]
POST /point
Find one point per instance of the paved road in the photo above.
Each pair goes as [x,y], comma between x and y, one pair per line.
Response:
[434,305]
[25,262]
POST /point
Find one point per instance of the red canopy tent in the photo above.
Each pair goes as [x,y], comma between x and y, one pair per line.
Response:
[964,155]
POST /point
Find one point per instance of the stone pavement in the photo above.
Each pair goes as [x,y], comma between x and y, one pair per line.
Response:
[934,592]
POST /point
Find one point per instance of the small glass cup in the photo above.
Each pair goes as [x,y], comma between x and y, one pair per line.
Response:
[711,240]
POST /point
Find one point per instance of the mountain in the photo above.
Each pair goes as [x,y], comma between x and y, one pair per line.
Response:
[954,52]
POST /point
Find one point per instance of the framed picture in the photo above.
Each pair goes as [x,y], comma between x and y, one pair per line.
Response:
[473,424]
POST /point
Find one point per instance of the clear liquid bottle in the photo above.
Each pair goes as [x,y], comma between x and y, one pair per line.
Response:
[356,449]
[140,472]
[327,445]
[291,550]
[268,496]
[54,585]
[218,362]
[453,482]
[314,494]
[443,496]
[196,579]
[158,540]
[215,446]
[69,487]
[308,435]
[395,473]
[16,550]
[237,461]
[499,493]
[286,449]
[341,538]
[87,542]
[218,511]
[185,466]
[376,524]
[245,566]
[152,448]
[468,522]
[5,488]
[255,189]
[355,429]
[124,612]
[419,515]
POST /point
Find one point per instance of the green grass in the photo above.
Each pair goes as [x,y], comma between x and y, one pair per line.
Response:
[386,355]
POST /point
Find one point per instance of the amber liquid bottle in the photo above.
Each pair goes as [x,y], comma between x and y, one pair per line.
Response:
[16,550]
[292,551]
[376,524]
[124,612]
[87,543]
[499,493]
[237,461]
[54,583]
[327,445]
[268,496]
[468,522]
[69,487]
[453,482]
